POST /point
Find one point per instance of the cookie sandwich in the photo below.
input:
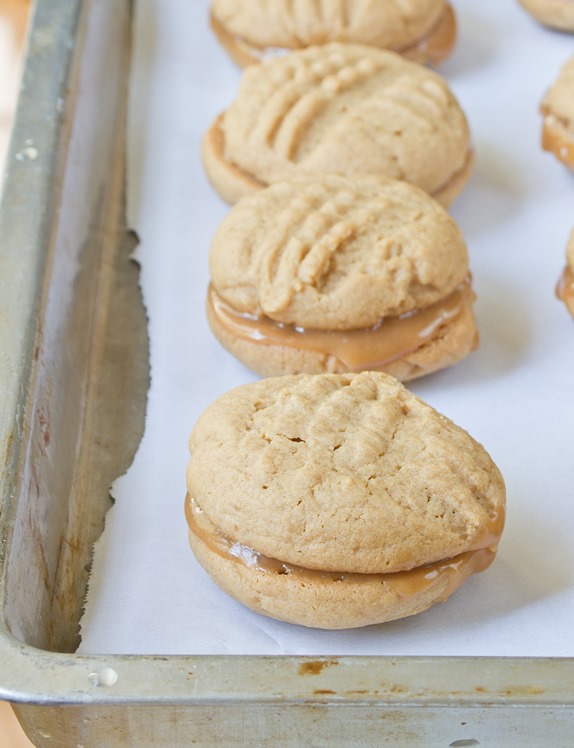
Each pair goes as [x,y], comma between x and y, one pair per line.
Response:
[565,287]
[337,501]
[254,30]
[557,108]
[343,108]
[556,14]
[334,274]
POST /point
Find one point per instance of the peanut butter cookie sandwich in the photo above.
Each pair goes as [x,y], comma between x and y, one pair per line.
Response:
[337,274]
[565,287]
[343,108]
[557,14]
[557,108]
[337,501]
[254,30]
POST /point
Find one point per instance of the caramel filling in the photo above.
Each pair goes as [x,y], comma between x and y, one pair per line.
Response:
[565,288]
[558,138]
[446,193]
[366,348]
[438,43]
[433,46]
[407,584]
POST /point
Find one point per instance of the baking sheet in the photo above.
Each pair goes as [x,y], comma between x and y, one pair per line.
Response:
[147,594]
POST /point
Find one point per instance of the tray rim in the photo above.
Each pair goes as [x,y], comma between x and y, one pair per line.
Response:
[51,678]
[35,676]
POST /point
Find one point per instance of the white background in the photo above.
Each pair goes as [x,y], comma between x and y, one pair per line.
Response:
[515,394]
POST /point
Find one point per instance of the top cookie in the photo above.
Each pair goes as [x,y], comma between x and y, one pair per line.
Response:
[557,14]
[251,30]
[340,108]
[336,253]
[346,472]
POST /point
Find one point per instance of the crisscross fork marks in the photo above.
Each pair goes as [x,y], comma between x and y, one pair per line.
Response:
[321,10]
[307,89]
[334,11]
[291,131]
[301,254]
[405,7]
[292,79]
[311,197]
[425,103]
[342,13]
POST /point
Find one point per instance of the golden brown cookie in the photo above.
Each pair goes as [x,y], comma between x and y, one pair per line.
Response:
[557,14]
[254,30]
[337,501]
[557,107]
[565,287]
[342,108]
[336,274]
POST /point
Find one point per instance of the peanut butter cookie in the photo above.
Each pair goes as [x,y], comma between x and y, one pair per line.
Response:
[337,501]
[336,274]
[253,30]
[342,108]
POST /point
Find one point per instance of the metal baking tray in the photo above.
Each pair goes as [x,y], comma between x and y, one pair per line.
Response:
[73,381]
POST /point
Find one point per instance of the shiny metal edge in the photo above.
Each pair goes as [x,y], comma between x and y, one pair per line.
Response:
[33,172]
[33,167]
[47,678]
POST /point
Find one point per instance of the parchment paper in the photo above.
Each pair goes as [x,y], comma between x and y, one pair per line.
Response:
[147,594]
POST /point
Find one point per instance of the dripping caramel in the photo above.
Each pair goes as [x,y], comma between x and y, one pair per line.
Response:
[358,349]
[565,288]
[407,584]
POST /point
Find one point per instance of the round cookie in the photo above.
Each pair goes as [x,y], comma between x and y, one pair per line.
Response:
[565,287]
[343,108]
[337,501]
[557,108]
[336,274]
[557,14]
[254,30]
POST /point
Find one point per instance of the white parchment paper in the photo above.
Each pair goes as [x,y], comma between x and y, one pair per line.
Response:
[147,594]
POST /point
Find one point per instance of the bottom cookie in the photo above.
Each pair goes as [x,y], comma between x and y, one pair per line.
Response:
[451,339]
